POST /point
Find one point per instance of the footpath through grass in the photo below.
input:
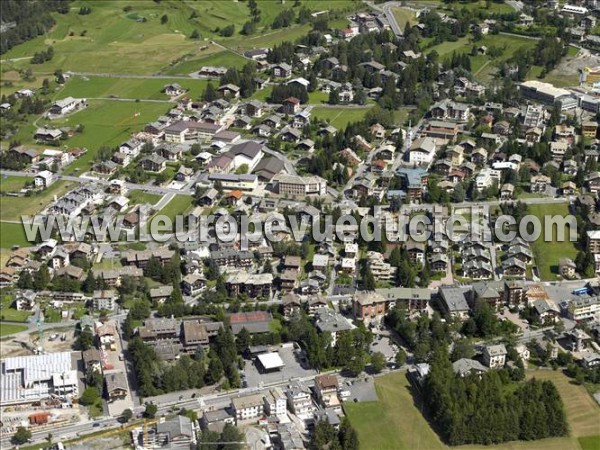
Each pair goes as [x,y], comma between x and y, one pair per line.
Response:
[396,422]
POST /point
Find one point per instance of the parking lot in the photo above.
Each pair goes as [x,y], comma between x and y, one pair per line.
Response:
[296,366]
[382,343]
[362,389]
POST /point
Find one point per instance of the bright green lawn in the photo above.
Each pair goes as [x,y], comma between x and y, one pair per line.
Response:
[547,254]
[11,314]
[9,328]
[483,66]
[339,117]
[221,59]
[12,184]
[317,97]
[11,208]
[140,197]
[400,425]
[461,45]
[12,234]
[589,442]
[118,42]
[403,15]
[263,94]
[494,7]
[112,263]
[133,88]
[115,42]
[178,205]
[109,123]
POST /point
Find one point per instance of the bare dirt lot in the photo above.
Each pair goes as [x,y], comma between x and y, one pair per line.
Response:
[567,72]
[23,343]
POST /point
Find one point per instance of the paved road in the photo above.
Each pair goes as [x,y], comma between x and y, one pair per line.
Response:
[126,75]
[389,14]
[138,100]
[533,38]
[164,201]
[130,186]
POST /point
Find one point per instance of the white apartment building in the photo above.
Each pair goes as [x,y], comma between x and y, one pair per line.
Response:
[422,151]
[380,269]
[299,400]
[494,356]
[486,178]
[584,308]
[248,407]
[276,402]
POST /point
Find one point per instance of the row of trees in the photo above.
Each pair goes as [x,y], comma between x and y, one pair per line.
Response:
[325,436]
[43,56]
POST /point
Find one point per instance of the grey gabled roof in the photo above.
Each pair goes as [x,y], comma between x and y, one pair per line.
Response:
[464,366]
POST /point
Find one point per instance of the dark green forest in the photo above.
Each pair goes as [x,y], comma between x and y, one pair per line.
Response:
[490,409]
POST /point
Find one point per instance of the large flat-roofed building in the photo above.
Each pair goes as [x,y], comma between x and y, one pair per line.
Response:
[26,379]
[232,181]
[589,103]
[297,185]
[584,308]
[270,362]
[548,94]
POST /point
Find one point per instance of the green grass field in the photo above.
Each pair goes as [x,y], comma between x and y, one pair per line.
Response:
[494,7]
[547,254]
[9,328]
[403,15]
[589,442]
[583,413]
[483,66]
[317,97]
[11,314]
[263,94]
[12,184]
[108,123]
[339,117]
[133,88]
[110,40]
[223,58]
[139,197]
[395,422]
[461,45]
[178,205]
[12,234]
[11,208]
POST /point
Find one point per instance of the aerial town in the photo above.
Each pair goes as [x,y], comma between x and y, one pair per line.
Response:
[205,115]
